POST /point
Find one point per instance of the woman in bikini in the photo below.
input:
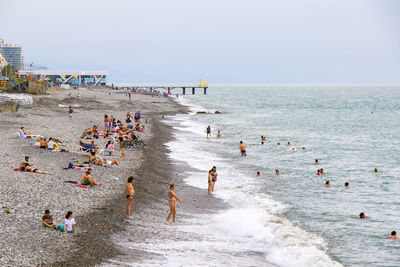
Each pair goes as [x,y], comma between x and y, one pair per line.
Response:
[130,193]
[213,177]
[25,166]
[172,202]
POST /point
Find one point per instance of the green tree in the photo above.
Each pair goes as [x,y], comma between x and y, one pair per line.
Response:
[8,70]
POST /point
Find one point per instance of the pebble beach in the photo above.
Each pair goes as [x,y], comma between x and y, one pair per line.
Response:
[98,211]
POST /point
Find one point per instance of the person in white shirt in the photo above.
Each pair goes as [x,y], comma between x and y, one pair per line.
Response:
[50,144]
[69,223]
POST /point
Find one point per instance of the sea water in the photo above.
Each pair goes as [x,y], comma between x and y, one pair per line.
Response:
[291,219]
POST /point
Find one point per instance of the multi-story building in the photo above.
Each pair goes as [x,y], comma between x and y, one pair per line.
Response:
[12,54]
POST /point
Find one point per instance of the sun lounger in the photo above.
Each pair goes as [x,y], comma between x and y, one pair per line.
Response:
[24,136]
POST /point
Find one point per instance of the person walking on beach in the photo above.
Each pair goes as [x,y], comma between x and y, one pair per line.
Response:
[172,202]
[208,131]
[242,149]
[69,223]
[70,112]
[130,193]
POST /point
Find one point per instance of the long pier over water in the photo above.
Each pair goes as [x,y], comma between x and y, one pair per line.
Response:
[169,87]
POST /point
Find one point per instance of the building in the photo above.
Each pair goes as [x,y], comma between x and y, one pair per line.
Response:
[11,54]
[78,78]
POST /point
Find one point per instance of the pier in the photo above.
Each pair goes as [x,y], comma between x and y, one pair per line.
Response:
[169,87]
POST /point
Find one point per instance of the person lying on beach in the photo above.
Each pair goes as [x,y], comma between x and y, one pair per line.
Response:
[137,127]
[130,193]
[87,179]
[96,160]
[25,166]
[172,202]
[47,221]
[90,146]
[22,132]
[393,235]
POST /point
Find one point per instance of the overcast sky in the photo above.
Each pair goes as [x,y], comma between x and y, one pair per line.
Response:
[222,41]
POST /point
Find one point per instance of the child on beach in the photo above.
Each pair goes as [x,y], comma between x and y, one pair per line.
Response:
[130,192]
[47,221]
[172,202]
[242,149]
[121,144]
[69,223]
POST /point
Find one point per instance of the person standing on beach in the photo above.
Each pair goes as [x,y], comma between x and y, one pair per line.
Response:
[70,112]
[208,131]
[210,182]
[130,192]
[172,202]
[242,149]
[213,177]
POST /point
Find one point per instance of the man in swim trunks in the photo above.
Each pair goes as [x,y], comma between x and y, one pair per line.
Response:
[130,193]
[242,149]
[208,130]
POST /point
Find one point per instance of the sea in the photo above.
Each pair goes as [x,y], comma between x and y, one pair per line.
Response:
[291,219]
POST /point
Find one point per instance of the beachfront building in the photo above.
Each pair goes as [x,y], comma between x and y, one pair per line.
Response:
[75,78]
[11,54]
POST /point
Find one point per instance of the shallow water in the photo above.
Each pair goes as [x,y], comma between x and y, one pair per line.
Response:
[292,219]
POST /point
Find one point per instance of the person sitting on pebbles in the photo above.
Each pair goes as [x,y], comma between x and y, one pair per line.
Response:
[47,221]
[87,179]
[25,166]
[96,160]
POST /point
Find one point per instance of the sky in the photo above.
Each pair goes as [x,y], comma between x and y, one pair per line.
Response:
[221,41]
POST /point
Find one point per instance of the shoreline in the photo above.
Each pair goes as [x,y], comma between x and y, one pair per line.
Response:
[99,211]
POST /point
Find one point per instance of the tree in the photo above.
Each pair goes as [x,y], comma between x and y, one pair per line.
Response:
[8,70]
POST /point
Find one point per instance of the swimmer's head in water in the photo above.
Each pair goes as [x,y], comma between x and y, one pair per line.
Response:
[376,170]
[277,171]
[362,215]
[279,144]
[393,233]
[288,143]
[258,173]
[346,184]
[262,142]
[327,183]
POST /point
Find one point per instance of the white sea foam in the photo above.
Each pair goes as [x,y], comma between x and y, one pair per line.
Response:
[250,233]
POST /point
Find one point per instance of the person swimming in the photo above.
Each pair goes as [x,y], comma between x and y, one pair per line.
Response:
[346,185]
[393,235]
[327,184]
[277,172]
[316,162]
[376,170]
[362,216]
[258,174]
